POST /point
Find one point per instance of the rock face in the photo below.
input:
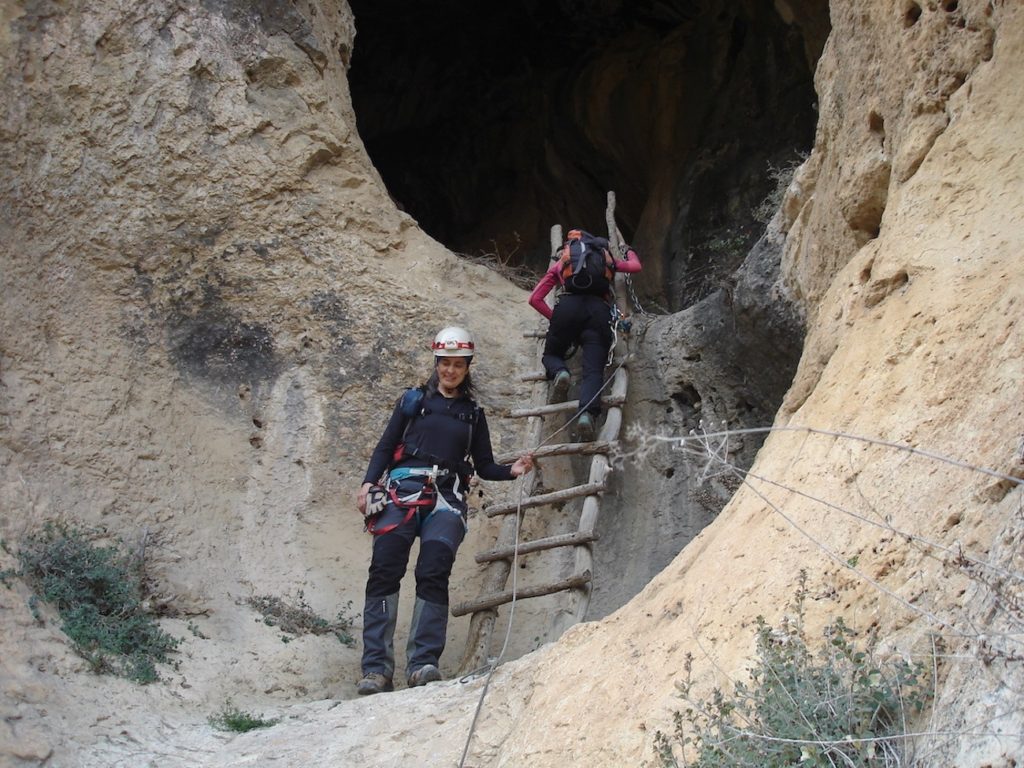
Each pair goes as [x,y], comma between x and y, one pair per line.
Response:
[210,305]
[210,301]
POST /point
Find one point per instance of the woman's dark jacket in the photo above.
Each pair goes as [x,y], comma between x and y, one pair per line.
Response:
[444,432]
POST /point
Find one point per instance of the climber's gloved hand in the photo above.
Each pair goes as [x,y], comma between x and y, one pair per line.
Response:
[376,500]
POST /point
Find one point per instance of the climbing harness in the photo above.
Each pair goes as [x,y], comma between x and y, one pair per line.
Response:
[424,496]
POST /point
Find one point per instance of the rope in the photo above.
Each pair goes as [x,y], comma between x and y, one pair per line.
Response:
[845,435]
[508,634]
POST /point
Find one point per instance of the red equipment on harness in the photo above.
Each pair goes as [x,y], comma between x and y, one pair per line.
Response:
[427,497]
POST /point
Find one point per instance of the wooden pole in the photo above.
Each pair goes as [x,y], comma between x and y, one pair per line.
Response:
[560,449]
[615,241]
[552,408]
[537,545]
[507,507]
[500,598]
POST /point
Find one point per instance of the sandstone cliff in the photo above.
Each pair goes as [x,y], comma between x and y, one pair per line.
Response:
[209,299]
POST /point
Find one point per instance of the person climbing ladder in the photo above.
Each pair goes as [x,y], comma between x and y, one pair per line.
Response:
[584,269]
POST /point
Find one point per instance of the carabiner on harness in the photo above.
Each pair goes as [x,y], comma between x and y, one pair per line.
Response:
[620,321]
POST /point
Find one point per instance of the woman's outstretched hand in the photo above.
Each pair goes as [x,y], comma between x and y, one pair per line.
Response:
[522,465]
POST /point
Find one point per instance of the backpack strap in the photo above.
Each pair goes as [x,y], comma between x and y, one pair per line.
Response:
[472,425]
[412,405]
[565,262]
[610,267]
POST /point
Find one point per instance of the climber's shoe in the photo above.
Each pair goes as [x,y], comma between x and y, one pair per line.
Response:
[428,673]
[560,387]
[585,427]
[374,682]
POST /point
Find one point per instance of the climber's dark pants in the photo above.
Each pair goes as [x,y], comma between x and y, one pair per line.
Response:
[583,320]
[441,531]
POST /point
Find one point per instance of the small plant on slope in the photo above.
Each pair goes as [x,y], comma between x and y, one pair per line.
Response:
[231,718]
[97,592]
[838,707]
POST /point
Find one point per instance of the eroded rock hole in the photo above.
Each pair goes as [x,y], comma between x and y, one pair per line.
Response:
[911,15]
[688,397]
[876,123]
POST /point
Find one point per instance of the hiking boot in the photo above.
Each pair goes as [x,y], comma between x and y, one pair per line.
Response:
[428,673]
[585,427]
[374,682]
[560,387]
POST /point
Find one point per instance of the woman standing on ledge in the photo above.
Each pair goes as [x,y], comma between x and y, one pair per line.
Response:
[416,485]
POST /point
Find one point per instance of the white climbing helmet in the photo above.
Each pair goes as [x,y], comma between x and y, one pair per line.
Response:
[453,342]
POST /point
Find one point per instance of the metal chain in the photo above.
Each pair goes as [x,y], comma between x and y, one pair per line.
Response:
[633,297]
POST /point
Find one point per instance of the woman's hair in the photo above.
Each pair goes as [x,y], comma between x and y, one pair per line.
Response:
[466,388]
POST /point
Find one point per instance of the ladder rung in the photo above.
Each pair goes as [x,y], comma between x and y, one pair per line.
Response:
[493,601]
[537,545]
[562,449]
[534,376]
[567,406]
[507,507]
[534,334]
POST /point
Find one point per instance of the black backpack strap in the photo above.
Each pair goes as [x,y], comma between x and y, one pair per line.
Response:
[412,405]
[477,410]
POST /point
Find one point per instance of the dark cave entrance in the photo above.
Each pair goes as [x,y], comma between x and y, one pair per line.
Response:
[490,126]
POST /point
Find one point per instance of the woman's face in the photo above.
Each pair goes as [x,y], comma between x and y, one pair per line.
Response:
[451,371]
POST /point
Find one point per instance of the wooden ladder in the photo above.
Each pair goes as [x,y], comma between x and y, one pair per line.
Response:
[499,559]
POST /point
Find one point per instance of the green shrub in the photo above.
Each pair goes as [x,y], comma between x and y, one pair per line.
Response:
[231,718]
[837,707]
[301,619]
[97,592]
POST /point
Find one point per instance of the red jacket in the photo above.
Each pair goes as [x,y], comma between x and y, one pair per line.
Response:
[553,277]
